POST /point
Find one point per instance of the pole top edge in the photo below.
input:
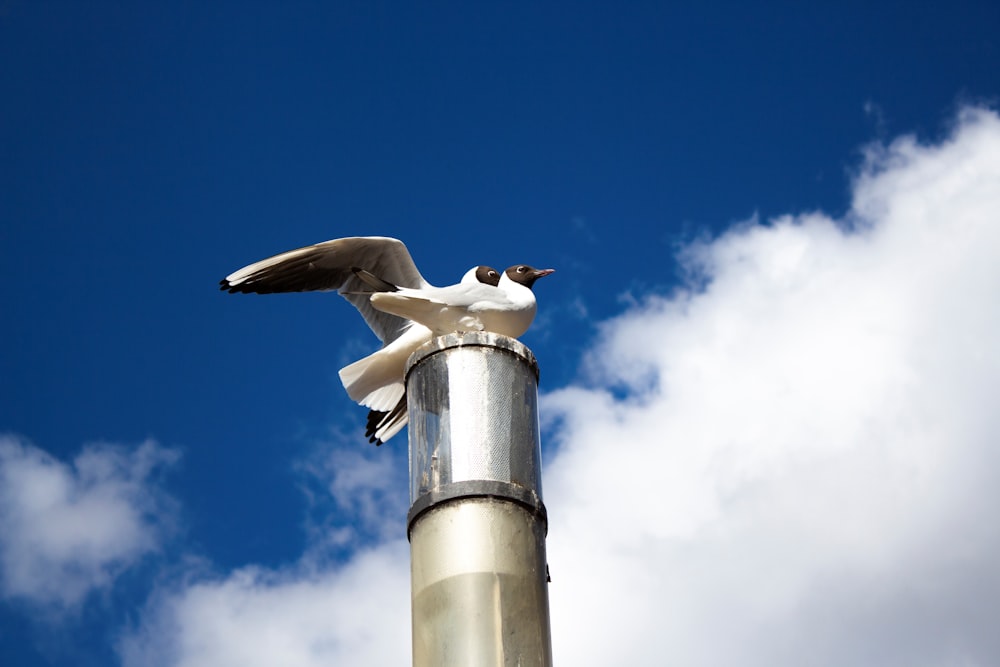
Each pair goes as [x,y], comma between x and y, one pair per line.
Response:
[473,339]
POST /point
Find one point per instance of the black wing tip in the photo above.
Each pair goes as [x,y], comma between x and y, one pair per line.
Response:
[375,418]
[240,288]
[250,287]
[378,419]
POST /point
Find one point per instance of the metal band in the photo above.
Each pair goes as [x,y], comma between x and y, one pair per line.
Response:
[478,488]
[474,339]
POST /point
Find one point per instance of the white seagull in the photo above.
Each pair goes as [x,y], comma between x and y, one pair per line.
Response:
[377,381]
[507,308]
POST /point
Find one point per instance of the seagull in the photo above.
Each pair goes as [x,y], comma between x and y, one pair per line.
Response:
[507,308]
[376,381]
[379,378]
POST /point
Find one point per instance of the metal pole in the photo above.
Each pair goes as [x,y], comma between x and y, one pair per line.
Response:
[476,524]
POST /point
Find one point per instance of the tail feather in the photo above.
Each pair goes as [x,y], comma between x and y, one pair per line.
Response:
[382,425]
[366,378]
[378,382]
[383,368]
[385,398]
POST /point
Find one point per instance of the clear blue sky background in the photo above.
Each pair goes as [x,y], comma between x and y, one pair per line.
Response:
[148,149]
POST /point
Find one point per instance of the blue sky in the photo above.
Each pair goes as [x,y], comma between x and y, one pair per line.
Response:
[774,235]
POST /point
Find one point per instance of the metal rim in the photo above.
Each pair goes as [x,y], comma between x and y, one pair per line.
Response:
[473,339]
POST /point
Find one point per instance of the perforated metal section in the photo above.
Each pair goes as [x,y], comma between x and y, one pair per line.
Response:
[473,408]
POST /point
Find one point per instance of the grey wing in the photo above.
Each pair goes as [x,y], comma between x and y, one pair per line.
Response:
[327,266]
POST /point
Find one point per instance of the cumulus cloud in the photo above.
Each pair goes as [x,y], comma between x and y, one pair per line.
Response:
[353,614]
[339,604]
[68,530]
[794,461]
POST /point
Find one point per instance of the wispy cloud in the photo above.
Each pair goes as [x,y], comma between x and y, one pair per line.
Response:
[356,495]
[69,529]
[795,461]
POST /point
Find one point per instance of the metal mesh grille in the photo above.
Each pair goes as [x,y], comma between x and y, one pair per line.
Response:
[473,416]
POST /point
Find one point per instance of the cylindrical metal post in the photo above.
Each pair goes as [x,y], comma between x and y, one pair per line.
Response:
[477,524]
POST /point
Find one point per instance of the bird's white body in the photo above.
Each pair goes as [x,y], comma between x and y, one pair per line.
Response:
[507,309]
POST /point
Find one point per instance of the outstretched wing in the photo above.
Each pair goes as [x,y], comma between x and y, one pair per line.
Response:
[328,266]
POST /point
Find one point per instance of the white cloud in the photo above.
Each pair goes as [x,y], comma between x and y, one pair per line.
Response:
[68,530]
[792,463]
[354,614]
[356,495]
[804,469]
[332,607]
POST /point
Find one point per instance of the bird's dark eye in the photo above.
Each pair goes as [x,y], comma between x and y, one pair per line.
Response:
[493,274]
[521,269]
